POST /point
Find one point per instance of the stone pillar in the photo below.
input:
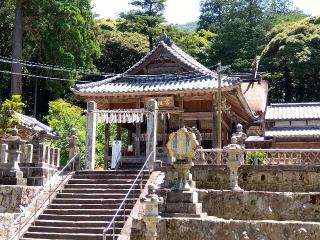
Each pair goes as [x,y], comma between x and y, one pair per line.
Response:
[152,126]
[29,153]
[214,128]
[235,158]
[48,155]
[73,142]
[151,213]
[42,153]
[4,153]
[57,157]
[90,136]
[107,162]
[37,139]
[137,140]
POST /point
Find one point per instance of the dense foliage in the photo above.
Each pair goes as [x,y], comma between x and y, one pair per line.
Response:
[241,27]
[291,59]
[55,32]
[7,118]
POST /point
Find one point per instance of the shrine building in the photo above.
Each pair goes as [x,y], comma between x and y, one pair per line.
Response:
[186,92]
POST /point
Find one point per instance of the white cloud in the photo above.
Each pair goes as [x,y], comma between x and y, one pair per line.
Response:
[182,11]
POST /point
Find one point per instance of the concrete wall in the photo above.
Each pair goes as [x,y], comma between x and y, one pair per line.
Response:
[277,178]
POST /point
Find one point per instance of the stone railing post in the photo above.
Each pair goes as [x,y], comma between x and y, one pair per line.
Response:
[37,139]
[152,126]
[73,142]
[57,157]
[235,159]
[4,153]
[151,213]
[42,153]
[90,136]
[29,153]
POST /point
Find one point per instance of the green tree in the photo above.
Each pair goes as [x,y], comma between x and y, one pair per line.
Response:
[54,32]
[146,19]
[120,50]
[6,28]
[241,27]
[7,118]
[64,116]
[291,60]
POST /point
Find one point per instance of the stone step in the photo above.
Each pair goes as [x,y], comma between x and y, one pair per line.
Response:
[103,172]
[94,195]
[90,224]
[73,218]
[84,211]
[99,186]
[91,201]
[85,230]
[106,176]
[88,206]
[103,181]
[97,190]
[75,236]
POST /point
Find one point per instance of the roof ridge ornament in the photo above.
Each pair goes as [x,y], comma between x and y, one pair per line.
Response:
[163,37]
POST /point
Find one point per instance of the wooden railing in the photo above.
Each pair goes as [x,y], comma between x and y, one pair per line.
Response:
[261,156]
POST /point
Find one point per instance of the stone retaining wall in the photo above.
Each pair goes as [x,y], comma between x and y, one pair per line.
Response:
[11,197]
[276,178]
[212,229]
[6,219]
[261,205]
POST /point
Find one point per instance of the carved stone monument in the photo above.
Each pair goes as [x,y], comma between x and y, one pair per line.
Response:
[235,159]
[182,200]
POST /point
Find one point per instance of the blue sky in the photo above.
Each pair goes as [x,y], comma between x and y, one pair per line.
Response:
[182,11]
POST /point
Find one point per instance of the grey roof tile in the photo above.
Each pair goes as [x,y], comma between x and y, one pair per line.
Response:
[293,132]
[151,83]
[293,111]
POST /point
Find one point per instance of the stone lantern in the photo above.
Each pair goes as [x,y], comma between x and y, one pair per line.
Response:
[13,175]
[240,135]
[235,159]
[151,213]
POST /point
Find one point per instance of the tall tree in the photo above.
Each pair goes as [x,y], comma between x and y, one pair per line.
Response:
[120,50]
[54,32]
[241,26]
[146,19]
[291,61]
[16,79]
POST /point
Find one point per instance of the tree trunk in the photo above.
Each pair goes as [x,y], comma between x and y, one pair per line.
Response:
[16,79]
[288,89]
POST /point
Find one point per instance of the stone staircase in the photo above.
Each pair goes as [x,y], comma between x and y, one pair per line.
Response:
[86,205]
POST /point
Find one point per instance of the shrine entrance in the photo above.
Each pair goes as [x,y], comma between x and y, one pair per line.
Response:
[136,145]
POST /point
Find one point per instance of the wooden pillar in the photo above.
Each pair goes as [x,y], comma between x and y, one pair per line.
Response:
[164,131]
[138,135]
[107,163]
[90,136]
[152,126]
[119,131]
[214,139]
[181,120]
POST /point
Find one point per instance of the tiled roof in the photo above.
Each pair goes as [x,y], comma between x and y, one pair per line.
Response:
[151,83]
[293,132]
[178,54]
[293,111]
[32,123]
